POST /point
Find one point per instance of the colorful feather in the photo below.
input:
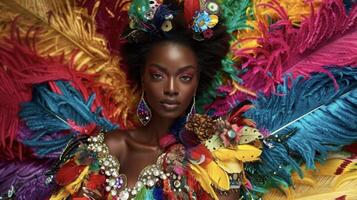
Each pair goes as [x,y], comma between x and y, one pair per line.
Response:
[20,68]
[190,9]
[49,113]
[63,29]
[315,117]
[26,179]
[284,49]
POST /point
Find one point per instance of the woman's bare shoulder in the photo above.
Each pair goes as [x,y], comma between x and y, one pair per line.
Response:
[116,142]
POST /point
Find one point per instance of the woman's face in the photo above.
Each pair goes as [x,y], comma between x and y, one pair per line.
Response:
[170,79]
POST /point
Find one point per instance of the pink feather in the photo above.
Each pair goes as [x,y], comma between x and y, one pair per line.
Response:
[326,38]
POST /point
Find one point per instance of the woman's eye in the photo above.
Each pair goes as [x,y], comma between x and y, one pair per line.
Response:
[186,78]
[156,76]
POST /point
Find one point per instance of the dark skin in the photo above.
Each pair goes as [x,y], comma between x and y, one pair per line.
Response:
[169,80]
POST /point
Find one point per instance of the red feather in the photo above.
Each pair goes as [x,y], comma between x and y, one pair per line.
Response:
[111,20]
[20,68]
[68,173]
[351,148]
[190,8]
[197,152]
[95,181]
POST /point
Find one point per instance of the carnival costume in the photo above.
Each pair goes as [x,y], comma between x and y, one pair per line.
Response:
[288,87]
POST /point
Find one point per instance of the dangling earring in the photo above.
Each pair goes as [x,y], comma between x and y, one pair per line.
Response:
[192,110]
[143,111]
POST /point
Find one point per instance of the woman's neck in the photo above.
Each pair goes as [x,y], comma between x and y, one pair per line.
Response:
[151,133]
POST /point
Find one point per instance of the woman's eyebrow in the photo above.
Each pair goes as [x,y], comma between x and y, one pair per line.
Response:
[158,66]
[186,68]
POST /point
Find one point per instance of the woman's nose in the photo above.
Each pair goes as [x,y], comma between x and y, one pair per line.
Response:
[171,88]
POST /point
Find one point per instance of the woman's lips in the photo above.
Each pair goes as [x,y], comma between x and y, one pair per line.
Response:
[170,106]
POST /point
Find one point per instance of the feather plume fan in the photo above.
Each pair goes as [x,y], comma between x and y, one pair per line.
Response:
[287,37]
[51,40]
[325,38]
[307,121]
[65,29]
[55,118]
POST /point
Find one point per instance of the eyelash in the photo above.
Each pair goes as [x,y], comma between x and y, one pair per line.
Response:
[185,78]
[156,76]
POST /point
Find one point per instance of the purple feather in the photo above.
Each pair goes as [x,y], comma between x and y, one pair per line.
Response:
[26,177]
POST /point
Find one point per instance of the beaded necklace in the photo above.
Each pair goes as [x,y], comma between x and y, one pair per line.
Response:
[116,183]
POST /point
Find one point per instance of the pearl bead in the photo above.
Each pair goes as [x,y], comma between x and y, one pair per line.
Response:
[156,172]
[113,192]
[150,183]
[124,195]
[111,182]
[139,184]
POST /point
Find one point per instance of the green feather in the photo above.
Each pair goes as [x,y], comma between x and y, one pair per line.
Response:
[235,14]
[141,194]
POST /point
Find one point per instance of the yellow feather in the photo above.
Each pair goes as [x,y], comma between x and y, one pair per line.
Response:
[202,177]
[340,180]
[308,179]
[65,28]
[249,134]
[71,188]
[224,154]
[230,166]
[321,183]
[296,10]
[247,153]
[218,176]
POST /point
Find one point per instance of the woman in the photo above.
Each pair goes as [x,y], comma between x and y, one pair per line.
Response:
[171,69]
[172,52]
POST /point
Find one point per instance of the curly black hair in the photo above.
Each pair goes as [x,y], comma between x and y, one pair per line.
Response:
[209,52]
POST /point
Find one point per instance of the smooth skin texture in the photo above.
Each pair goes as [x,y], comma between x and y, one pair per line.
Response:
[169,80]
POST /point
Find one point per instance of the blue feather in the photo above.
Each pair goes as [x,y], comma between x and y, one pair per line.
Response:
[309,120]
[158,193]
[48,113]
[149,194]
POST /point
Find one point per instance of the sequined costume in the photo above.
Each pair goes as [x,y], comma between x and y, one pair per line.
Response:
[288,86]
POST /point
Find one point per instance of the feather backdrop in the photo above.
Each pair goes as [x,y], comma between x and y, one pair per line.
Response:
[49,113]
[285,49]
[25,178]
[59,60]
[65,29]
[54,40]
[21,67]
[315,117]
[324,37]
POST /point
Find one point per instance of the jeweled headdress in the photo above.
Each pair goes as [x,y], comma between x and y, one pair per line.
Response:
[154,18]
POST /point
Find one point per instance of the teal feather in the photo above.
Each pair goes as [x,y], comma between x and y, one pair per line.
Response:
[48,115]
[307,121]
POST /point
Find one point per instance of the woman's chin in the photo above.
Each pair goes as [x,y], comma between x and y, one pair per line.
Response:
[170,114]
